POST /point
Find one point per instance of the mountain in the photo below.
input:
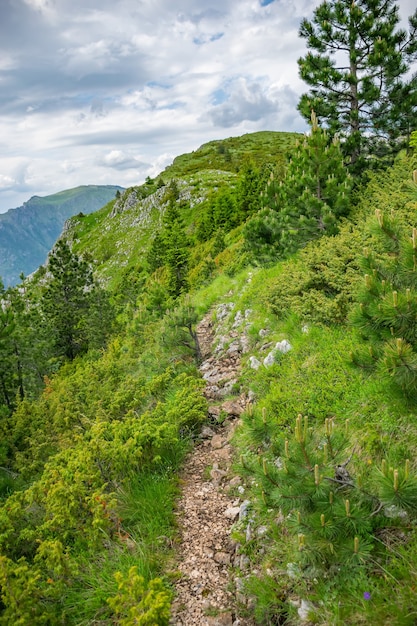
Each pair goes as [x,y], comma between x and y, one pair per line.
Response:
[28,233]
[239,413]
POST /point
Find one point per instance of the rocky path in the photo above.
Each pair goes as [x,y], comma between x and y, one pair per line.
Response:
[206,594]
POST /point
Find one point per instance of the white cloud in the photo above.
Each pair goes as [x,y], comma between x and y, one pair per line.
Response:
[98,92]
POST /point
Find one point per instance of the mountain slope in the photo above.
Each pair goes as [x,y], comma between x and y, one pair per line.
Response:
[27,233]
[117,237]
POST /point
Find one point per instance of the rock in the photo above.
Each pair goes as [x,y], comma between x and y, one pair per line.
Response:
[224,619]
[269,359]
[244,562]
[392,511]
[217,475]
[245,344]
[292,570]
[223,310]
[263,332]
[207,433]
[232,512]
[305,610]
[238,319]
[223,558]
[235,481]
[214,411]
[243,510]
[232,407]
[283,346]
[254,363]
[217,442]
[261,531]
[224,454]
[234,348]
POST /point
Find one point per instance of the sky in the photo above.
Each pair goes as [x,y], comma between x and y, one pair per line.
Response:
[111,91]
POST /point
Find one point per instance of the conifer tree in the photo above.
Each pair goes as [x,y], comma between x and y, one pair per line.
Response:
[68,302]
[7,329]
[313,196]
[387,311]
[156,253]
[249,190]
[355,67]
[176,251]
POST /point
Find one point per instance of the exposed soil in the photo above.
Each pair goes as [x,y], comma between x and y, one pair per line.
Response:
[206,594]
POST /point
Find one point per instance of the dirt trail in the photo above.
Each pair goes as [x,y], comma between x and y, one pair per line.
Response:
[206,594]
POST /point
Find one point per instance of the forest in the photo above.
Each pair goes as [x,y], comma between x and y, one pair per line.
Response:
[313,236]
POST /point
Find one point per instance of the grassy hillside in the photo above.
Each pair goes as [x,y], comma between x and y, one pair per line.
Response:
[326,448]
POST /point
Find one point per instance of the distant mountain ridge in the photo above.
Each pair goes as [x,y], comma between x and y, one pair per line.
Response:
[28,233]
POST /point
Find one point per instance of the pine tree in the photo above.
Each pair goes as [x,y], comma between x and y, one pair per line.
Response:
[355,68]
[68,301]
[314,194]
[176,251]
[7,357]
[387,311]
[249,190]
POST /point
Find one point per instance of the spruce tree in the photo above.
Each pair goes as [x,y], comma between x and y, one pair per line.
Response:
[355,68]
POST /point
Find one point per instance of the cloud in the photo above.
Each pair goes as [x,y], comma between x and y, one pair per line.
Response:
[120,160]
[97,92]
[246,101]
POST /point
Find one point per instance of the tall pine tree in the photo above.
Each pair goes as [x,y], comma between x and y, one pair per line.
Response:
[355,68]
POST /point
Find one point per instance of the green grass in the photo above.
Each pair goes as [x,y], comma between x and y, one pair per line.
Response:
[146,505]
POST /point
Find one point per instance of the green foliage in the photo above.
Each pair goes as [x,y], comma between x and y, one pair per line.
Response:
[309,202]
[175,249]
[228,154]
[320,285]
[387,309]
[220,213]
[180,325]
[355,67]
[334,507]
[138,604]
[88,469]
[75,307]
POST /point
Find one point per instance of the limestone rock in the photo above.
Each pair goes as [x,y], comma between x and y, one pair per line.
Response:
[207,432]
[222,558]
[232,512]
[304,612]
[254,363]
[269,359]
[217,442]
[283,346]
